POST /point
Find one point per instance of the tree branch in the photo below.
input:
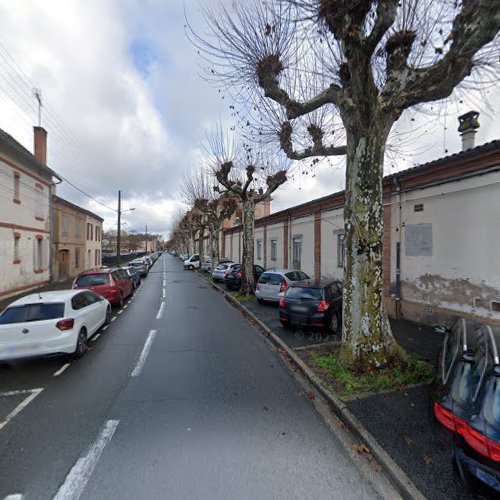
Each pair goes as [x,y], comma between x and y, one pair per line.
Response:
[476,25]
[273,182]
[386,15]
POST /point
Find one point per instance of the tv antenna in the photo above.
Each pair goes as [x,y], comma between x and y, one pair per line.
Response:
[38,96]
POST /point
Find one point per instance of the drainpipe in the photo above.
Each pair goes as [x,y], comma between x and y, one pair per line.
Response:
[51,229]
[398,250]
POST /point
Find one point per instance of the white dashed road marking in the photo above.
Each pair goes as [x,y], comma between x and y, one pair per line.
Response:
[58,372]
[144,354]
[15,496]
[79,475]
[95,337]
[113,318]
[160,312]
[104,328]
[32,394]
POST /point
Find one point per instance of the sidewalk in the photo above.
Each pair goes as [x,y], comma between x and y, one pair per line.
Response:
[399,420]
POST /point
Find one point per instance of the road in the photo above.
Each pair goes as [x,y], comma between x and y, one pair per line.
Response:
[180,397]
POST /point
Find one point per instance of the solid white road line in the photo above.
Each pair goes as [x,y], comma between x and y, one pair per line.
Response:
[144,354]
[33,393]
[95,337]
[63,367]
[160,312]
[14,496]
[79,475]
[164,293]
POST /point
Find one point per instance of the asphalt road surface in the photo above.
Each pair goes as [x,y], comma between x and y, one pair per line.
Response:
[179,397]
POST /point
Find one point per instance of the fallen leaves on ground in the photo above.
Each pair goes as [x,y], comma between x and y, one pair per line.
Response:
[427,458]
[409,441]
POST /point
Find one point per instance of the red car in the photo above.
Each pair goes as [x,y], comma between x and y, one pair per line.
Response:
[112,284]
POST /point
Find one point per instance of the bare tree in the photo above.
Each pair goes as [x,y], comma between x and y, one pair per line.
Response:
[361,64]
[249,177]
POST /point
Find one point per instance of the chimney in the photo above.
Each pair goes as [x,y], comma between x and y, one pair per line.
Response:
[40,144]
[469,124]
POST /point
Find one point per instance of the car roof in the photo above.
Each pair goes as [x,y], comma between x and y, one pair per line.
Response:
[44,297]
[98,271]
[282,271]
[312,283]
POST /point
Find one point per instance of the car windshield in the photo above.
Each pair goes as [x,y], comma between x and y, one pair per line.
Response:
[307,293]
[270,279]
[31,312]
[93,279]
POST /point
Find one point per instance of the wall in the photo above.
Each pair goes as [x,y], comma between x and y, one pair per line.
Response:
[93,244]
[24,217]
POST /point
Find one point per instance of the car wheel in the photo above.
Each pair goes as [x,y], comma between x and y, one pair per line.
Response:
[191,268]
[120,300]
[107,321]
[81,344]
[334,324]
[261,301]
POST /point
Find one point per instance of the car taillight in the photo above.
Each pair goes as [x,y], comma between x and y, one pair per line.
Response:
[323,306]
[239,275]
[257,287]
[225,272]
[283,286]
[450,421]
[65,324]
[486,446]
[282,302]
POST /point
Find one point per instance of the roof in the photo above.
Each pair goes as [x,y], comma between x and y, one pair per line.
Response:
[22,153]
[62,201]
[54,296]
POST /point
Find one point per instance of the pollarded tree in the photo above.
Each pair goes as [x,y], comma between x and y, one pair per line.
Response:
[249,178]
[197,190]
[357,64]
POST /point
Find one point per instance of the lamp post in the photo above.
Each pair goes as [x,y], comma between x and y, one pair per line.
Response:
[118,234]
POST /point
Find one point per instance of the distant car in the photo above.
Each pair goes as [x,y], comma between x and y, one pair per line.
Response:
[114,284]
[141,267]
[221,270]
[149,260]
[207,265]
[133,274]
[312,304]
[193,262]
[467,402]
[232,279]
[184,256]
[273,283]
[51,323]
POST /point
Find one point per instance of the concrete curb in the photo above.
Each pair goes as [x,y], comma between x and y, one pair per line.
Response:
[397,476]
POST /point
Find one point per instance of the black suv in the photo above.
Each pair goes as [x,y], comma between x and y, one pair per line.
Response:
[312,303]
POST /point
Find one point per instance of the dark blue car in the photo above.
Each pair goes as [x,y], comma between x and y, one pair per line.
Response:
[467,402]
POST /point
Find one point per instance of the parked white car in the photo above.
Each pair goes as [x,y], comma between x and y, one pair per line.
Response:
[273,283]
[193,262]
[219,273]
[51,323]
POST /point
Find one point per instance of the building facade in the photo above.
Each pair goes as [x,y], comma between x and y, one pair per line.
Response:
[73,252]
[441,231]
[26,186]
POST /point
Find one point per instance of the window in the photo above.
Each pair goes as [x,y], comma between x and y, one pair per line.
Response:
[64,225]
[31,312]
[77,257]
[97,233]
[17,256]
[39,202]
[90,231]
[93,279]
[89,258]
[340,249]
[297,251]
[17,182]
[40,247]
[96,258]
[78,228]
[274,250]
[79,301]
[259,249]
[418,240]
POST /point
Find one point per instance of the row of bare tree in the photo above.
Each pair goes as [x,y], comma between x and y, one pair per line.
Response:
[230,176]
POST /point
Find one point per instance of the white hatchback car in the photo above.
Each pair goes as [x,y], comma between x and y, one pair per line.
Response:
[219,273]
[51,323]
[273,283]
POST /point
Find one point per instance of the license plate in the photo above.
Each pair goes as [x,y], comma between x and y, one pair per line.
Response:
[301,309]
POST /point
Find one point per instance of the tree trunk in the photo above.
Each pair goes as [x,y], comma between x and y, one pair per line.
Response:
[215,235]
[247,278]
[201,244]
[367,337]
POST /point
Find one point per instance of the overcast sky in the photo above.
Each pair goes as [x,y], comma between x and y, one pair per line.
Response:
[125,108]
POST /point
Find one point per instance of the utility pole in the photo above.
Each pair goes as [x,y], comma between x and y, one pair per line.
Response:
[146,239]
[118,233]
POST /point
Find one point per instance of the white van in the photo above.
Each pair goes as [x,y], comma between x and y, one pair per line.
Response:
[193,262]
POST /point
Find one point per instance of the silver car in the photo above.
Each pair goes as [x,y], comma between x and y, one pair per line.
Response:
[272,283]
[221,270]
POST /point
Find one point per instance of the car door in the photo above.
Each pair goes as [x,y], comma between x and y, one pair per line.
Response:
[96,309]
[335,299]
[82,312]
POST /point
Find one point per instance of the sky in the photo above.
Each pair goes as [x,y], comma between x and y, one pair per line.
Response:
[126,109]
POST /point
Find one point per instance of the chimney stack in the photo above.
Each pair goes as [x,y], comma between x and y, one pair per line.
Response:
[469,124]
[40,144]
